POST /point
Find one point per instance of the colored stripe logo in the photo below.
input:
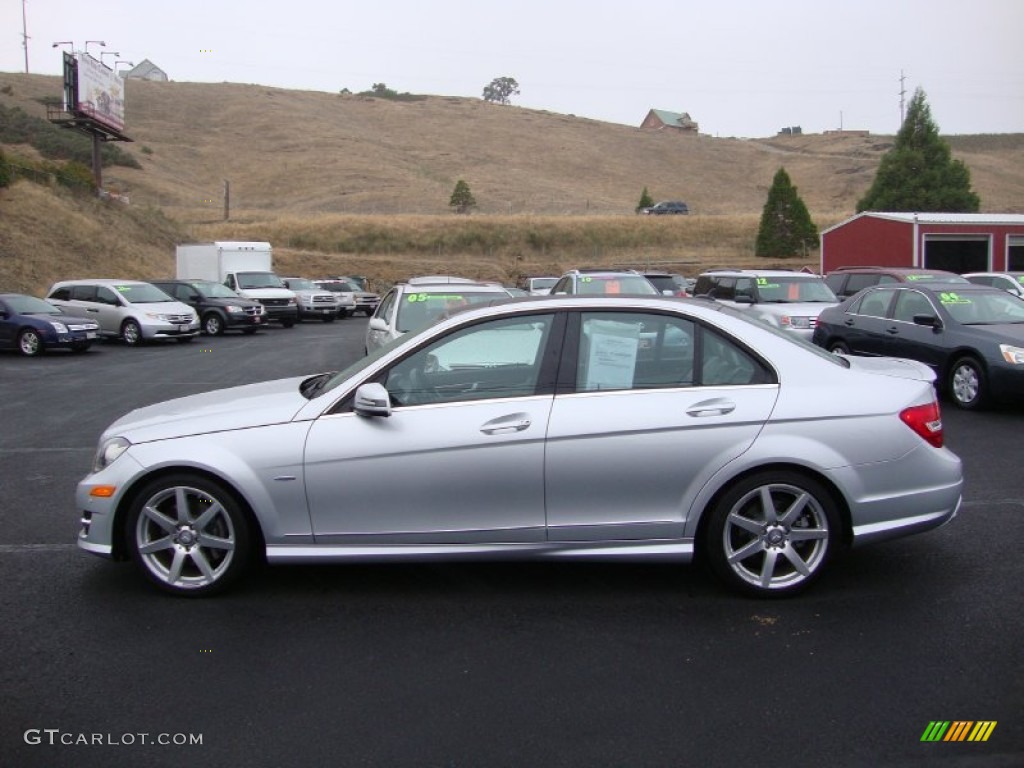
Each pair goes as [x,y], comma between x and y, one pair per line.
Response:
[958,730]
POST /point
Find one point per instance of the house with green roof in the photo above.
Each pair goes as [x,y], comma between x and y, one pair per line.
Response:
[659,119]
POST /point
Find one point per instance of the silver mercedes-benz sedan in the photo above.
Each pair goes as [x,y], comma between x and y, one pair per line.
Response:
[586,427]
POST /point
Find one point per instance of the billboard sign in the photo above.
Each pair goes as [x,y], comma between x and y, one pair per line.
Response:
[100,92]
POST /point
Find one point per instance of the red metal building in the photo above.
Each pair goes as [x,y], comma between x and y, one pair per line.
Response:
[958,242]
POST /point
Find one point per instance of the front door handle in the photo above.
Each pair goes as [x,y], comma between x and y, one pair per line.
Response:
[892,330]
[514,422]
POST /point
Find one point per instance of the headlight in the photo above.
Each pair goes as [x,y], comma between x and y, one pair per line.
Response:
[156,316]
[59,327]
[291,302]
[108,452]
[232,309]
[1011,354]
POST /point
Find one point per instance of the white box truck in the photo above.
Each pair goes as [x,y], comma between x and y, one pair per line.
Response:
[247,268]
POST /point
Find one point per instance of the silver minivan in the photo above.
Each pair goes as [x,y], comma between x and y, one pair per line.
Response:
[132,310]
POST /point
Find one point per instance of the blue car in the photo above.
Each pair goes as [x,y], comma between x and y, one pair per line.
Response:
[31,326]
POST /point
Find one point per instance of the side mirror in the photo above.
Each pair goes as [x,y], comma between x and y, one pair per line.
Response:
[744,299]
[928,320]
[372,400]
[377,324]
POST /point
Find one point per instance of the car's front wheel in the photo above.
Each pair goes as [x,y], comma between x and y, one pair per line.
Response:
[30,343]
[967,383]
[839,348]
[772,533]
[213,325]
[189,535]
[131,332]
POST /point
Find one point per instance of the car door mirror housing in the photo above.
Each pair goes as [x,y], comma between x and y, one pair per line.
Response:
[932,321]
[378,324]
[372,399]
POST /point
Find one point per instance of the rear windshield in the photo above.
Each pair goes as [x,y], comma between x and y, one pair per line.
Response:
[258,280]
[613,284]
[30,305]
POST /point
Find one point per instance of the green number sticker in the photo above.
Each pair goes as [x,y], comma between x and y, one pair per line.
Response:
[952,298]
[762,281]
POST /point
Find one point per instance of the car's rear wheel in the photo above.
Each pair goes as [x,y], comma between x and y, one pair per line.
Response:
[839,348]
[30,343]
[772,533]
[189,535]
[213,325]
[967,383]
[131,333]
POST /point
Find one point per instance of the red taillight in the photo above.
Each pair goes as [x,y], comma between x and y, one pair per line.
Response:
[926,421]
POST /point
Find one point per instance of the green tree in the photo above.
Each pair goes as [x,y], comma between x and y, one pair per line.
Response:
[786,227]
[919,173]
[501,90]
[646,201]
[462,199]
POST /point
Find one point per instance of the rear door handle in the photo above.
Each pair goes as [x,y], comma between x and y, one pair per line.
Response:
[892,330]
[716,407]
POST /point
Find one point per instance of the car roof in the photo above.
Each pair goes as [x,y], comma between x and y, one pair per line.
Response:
[937,286]
[761,273]
[450,287]
[100,281]
[892,270]
[993,274]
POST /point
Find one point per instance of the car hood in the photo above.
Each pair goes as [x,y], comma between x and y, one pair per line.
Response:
[896,367]
[163,307]
[1001,333]
[252,405]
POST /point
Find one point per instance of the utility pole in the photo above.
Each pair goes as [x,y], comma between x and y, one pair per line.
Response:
[227,199]
[903,94]
[24,33]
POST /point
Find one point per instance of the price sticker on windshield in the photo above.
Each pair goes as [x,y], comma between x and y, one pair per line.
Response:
[952,298]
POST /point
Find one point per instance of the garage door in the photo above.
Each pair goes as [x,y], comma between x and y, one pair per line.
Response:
[1015,254]
[957,253]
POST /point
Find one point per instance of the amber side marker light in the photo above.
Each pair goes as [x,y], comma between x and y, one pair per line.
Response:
[103,491]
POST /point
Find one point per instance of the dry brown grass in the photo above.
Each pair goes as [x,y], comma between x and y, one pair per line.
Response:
[353,184]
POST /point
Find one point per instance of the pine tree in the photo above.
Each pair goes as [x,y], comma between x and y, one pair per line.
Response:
[646,201]
[462,199]
[918,173]
[5,171]
[786,227]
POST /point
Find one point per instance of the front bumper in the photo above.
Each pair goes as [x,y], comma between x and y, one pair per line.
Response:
[1006,382]
[163,330]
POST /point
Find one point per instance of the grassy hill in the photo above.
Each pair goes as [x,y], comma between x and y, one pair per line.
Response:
[345,183]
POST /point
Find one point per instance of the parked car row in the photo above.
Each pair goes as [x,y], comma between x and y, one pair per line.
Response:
[77,312]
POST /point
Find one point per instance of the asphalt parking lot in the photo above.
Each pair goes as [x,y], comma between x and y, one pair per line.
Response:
[482,664]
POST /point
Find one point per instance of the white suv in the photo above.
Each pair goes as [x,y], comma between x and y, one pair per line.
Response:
[130,309]
[788,300]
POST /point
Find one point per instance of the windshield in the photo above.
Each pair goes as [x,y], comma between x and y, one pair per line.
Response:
[926,277]
[790,338]
[30,305]
[215,290]
[419,310]
[784,290]
[983,308]
[614,284]
[301,284]
[258,280]
[142,293]
[537,283]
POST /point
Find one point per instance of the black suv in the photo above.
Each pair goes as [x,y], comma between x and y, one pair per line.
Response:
[846,281]
[219,308]
[669,206]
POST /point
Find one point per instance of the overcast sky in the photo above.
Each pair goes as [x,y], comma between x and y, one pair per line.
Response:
[738,67]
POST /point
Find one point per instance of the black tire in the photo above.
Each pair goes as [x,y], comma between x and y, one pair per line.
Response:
[193,551]
[30,343]
[81,347]
[249,331]
[328,318]
[131,332]
[288,323]
[185,339]
[213,324]
[753,549]
[839,348]
[966,384]
[343,313]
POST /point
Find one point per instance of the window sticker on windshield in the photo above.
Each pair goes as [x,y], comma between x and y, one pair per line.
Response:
[762,282]
[123,288]
[412,297]
[953,298]
[1020,278]
[919,277]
